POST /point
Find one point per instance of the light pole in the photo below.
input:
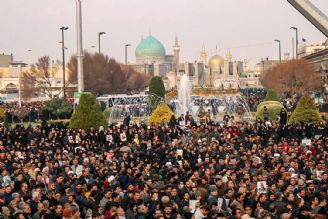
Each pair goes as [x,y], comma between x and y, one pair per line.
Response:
[126,53]
[19,88]
[262,61]
[99,34]
[296,32]
[278,41]
[79,52]
[63,51]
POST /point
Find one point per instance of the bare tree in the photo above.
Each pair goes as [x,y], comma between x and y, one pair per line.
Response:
[40,78]
[295,76]
[103,75]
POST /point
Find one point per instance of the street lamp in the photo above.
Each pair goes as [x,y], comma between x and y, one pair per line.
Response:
[126,53]
[63,51]
[296,31]
[99,34]
[278,41]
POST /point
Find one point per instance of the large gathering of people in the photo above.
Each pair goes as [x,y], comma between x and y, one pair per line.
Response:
[253,96]
[177,169]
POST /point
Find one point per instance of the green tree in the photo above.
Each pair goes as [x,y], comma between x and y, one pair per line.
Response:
[58,107]
[305,111]
[88,114]
[156,87]
[271,96]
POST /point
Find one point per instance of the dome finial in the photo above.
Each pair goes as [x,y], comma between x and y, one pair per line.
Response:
[149,31]
[216,49]
[203,48]
[203,55]
[176,40]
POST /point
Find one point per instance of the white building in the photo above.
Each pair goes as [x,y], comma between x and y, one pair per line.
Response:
[10,78]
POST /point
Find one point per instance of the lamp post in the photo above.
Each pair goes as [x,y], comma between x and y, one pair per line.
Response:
[19,88]
[126,53]
[296,32]
[79,52]
[99,34]
[262,61]
[279,43]
[63,51]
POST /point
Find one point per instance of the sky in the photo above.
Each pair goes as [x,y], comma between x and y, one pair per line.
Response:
[30,28]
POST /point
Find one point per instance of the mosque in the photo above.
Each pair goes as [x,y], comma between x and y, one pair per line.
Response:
[217,72]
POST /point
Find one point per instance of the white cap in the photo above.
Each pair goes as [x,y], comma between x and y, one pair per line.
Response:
[168,164]
[291,170]
[110,179]
[294,175]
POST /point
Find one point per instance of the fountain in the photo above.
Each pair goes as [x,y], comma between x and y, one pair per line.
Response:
[213,100]
[184,92]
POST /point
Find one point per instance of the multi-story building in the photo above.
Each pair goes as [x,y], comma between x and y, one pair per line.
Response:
[11,74]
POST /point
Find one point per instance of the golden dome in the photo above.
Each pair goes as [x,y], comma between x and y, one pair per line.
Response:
[216,62]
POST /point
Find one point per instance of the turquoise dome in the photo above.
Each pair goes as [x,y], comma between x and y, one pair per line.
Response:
[150,46]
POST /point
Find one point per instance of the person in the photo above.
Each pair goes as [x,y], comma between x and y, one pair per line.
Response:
[208,116]
[283,117]
[226,118]
[265,114]
[172,122]
[138,172]
[202,212]
[5,213]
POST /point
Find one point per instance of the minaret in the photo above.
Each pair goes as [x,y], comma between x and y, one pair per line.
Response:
[176,51]
[228,56]
[203,55]
[227,65]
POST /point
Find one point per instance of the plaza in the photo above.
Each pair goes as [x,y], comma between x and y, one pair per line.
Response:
[220,111]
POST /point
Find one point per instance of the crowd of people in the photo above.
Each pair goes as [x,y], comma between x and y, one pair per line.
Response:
[173,170]
[253,96]
[34,111]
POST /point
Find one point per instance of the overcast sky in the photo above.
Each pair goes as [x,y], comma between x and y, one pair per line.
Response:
[248,27]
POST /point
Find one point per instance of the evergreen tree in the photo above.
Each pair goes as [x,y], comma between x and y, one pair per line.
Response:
[305,111]
[271,96]
[58,107]
[156,87]
[88,114]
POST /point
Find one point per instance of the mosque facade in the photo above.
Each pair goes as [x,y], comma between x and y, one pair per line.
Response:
[216,72]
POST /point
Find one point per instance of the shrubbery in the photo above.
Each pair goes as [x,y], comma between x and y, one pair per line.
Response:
[88,114]
[2,114]
[274,108]
[305,111]
[59,107]
[162,112]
